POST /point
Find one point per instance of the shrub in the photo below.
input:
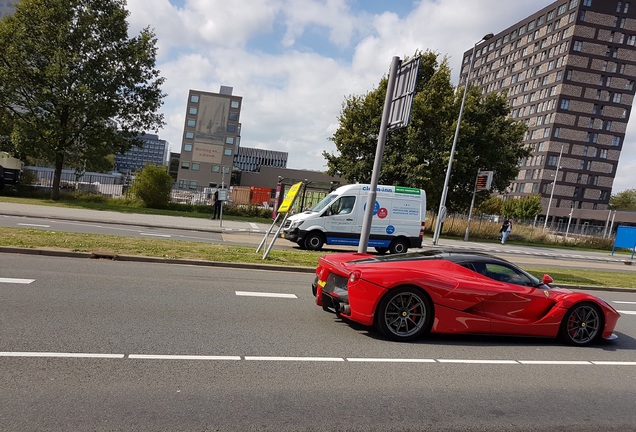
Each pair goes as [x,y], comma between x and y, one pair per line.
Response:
[153,185]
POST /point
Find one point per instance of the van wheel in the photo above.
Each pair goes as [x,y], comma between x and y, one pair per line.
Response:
[301,245]
[381,250]
[314,241]
[398,246]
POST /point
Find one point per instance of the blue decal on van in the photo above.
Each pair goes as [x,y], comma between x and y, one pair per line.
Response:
[375,208]
[390,229]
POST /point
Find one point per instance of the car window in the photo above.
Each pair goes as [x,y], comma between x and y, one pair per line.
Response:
[503,273]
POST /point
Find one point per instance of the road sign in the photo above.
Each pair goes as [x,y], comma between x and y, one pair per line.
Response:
[484,180]
[403,94]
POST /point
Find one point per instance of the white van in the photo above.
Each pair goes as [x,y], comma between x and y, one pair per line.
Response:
[397,224]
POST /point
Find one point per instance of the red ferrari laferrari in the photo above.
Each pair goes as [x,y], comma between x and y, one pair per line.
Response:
[408,295]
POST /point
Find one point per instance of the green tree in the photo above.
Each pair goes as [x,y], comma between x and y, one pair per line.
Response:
[152,185]
[527,207]
[76,87]
[418,155]
[624,200]
[491,206]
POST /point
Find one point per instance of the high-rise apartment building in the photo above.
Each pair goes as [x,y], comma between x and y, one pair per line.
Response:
[569,72]
[211,138]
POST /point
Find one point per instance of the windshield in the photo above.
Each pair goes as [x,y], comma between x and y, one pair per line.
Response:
[324,203]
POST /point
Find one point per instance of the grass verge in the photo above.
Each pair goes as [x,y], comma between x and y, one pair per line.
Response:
[171,249]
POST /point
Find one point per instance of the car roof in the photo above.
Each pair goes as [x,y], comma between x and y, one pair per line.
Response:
[448,254]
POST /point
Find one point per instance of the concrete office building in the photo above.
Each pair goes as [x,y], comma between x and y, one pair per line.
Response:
[211,139]
[252,159]
[569,72]
[154,151]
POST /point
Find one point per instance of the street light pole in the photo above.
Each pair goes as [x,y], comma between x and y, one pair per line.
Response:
[547,213]
[442,204]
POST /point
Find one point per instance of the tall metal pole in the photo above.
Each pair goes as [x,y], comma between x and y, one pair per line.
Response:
[547,213]
[442,204]
[379,151]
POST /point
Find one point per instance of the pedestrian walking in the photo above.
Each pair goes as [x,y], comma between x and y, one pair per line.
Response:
[505,230]
[216,203]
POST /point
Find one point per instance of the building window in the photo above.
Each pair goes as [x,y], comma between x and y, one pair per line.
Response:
[215,169]
[616,141]
[233,116]
[189,135]
[587,3]
[192,123]
[194,99]
[227,152]
[582,15]
[562,9]
[608,125]
[235,104]
[231,128]
[619,7]
[578,46]
[196,166]
[565,104]
[546,132]
[552,160]
[617,97]
[187,147]
[229,140]
[193,184]
[183,184]
[631,40]
[626,7]
[603,154]
[185,165]
[192,111]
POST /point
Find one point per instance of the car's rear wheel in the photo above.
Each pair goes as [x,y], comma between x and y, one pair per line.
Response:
[404,314]
[314,241]
[582,324]
[398,246]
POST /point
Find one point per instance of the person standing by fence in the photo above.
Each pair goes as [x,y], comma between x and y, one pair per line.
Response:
[216,203]
[505,230]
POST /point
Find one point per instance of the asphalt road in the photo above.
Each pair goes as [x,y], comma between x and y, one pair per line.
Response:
[107,345]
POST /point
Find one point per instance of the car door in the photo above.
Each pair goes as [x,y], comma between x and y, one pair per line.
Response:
[512,300]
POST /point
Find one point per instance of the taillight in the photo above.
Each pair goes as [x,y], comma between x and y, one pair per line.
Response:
[423,227]
[354,276]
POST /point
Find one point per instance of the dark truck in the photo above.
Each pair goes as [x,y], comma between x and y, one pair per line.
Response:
[10,170]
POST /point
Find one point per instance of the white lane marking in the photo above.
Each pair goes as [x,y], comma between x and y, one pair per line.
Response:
[17,281]
[555,362]
[317,359]
[34,225]
[389,360]
[309,359]
[478,361]
[63,355]
[263,294]
[181,357]
[624,302]
[253,225]
[626,312]
[155,235]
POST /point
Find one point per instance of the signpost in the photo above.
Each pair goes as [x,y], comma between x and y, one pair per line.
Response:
[396,114]
[284,209]
[482,182]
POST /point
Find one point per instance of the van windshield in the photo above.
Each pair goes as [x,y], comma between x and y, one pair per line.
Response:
[324,203]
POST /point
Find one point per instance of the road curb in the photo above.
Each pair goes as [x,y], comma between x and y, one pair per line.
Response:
[136,258]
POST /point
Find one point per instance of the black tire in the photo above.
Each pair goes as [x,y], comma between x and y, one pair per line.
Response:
[301,244]
[398,246]
[582,325]
[404,314]
[381,250]
[314,241]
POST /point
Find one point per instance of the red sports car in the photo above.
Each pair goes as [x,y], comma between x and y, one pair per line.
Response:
[445,291]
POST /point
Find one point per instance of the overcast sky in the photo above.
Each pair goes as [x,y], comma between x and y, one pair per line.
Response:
[294,61]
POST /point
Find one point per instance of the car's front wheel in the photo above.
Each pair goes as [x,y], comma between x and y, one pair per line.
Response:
[404,314]
[582,324]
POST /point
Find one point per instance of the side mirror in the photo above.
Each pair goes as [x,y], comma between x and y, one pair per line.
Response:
[546,279]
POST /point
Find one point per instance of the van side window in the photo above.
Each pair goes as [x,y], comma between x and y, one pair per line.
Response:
[343,205]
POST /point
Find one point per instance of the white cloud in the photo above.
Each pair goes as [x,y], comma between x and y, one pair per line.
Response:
[294,61]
